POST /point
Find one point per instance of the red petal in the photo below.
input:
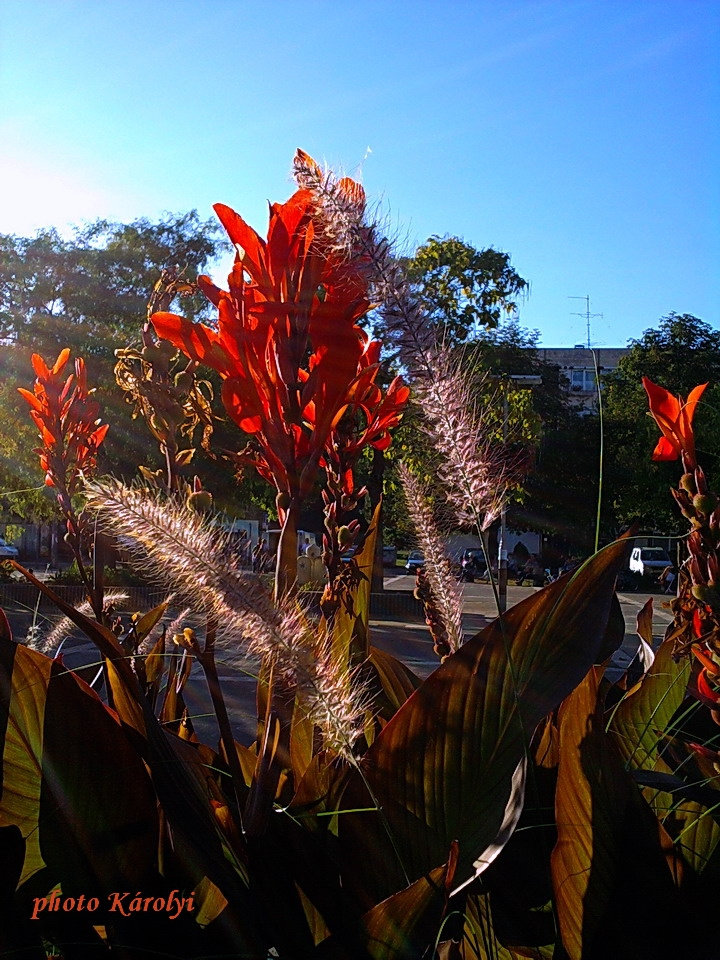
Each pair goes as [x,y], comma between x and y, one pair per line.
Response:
[207,287]
[354,193]
[41,369]
[242,234]
[692,400]
[99,435]
[705,689]
[382,443]
[666,450]
[243,405]
[195,340]
[662,402]
[34,402]
[62,359]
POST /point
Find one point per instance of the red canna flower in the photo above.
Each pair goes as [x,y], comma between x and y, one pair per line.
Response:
[707,678]
[68,420]
[287,345]
[674,417]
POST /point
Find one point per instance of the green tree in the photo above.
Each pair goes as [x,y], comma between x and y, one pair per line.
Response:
[465,290]
[93,288]
[680,353]
[88,292]
[557,447]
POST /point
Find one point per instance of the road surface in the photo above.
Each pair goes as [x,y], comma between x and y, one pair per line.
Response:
[409,641]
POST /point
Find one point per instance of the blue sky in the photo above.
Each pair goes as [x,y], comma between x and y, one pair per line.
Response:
[580,137]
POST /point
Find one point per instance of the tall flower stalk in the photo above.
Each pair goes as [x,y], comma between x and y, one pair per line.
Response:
[290,352]
[474,475]
[696,608]
[172,401]
[71,432]
[443,597]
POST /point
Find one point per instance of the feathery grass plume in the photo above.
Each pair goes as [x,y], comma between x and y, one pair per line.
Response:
[170,542]
[473,468]
[475,475]
[445,591]
[49,643]
[363,241]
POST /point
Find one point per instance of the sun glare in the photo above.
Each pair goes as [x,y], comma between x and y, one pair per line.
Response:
[36,194]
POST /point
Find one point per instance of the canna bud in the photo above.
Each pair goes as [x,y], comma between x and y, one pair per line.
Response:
[201,501]
[704,503]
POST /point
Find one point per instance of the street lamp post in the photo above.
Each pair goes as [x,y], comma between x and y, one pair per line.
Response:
[519,380]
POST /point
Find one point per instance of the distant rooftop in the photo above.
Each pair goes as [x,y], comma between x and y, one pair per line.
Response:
[572,357]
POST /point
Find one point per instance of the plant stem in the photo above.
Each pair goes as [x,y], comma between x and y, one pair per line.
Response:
[209,666]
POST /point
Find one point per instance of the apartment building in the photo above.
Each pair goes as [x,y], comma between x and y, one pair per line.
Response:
[578,367]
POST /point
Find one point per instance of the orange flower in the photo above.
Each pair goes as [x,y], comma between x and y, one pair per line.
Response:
[68,421]
[287,345]
[674,417]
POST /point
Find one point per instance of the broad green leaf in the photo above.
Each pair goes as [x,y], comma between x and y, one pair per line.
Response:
[645,622]
[639,721]
[480,941]
[154,668]
[173,708]
[145,623]
[124,687]
[610,849]
[23,683]
[209,902]
[407,924]
[197,838]
[442,768]
[695,830]
[302,742]
[71,782]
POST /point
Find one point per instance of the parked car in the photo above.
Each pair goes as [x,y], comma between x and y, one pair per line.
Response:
[415,560]
[389,555]
[7,550]
[649,560]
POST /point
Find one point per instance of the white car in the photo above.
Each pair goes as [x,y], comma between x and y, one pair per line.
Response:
[649,560]
[7,550]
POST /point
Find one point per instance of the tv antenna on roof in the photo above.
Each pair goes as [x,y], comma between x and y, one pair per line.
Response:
[587,315]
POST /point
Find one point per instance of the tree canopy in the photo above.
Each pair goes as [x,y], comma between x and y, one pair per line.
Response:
[94,287]
[465,290]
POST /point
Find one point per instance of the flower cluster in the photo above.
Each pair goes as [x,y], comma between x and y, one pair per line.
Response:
[696,608]
[68,420]
[288,346]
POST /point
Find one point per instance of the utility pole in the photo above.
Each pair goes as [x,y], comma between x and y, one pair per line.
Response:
[588,317]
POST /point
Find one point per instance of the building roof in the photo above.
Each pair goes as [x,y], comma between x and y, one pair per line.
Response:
[568,358]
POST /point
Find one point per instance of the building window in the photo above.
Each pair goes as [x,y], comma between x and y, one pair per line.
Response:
[582,381]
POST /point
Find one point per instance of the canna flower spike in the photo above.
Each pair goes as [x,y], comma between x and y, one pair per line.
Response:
[674,417]
[288,346]
[68,422]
